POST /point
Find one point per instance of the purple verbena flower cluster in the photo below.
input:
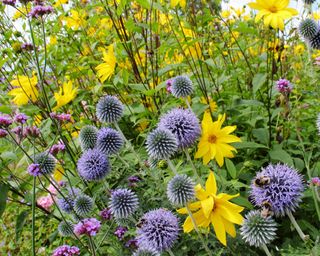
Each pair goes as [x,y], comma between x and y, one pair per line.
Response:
[9,2]
[5,120]
[106,214]
[66,250]
[315,181]
[61,117]
[90,227]
[284,86]
[3,133]
[34,169]
[120,232]
[20,118]
[40,10]
[56,148]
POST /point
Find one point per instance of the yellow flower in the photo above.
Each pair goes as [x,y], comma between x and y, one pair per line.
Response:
[214,140]
[215,209]
[66,94]
[174,3]
[106,69]
[58,173]
[316,15]
[60,2]
[273,11]
[26,90]
[76,19]
[299,49]
[53,41]
[212,104]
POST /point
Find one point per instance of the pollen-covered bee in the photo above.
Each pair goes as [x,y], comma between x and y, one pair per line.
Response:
[141,222]
[261,181]
[266,209]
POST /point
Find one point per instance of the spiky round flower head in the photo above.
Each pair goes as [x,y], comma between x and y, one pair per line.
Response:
[65,228]
[93,165]
[109,109]
[184,124]
[181,86]
[88,137]
[309,1]
[308,28]
[318,123]
[180,190]
[109,141]
[161,144]
[158,230]
[278,187]
[83,205]
[46,162]
[257,230]
[315,41]
[66,203]
[146,252]
[123,203]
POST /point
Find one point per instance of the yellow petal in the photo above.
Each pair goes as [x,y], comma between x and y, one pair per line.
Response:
[207,206]
[211,185]
[219,228]
[229,227]
[199,219]
[201,194]
[193,206]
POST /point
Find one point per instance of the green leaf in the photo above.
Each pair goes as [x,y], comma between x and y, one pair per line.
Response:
[231,168]
[243,202]
[258,80]
[281,155]
[262,135]
[248,144]
[21,220]
[4,188]
[144,3]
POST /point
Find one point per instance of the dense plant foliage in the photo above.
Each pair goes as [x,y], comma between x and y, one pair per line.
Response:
[159,128]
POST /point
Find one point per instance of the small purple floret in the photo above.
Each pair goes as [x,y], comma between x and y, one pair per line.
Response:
[90,227]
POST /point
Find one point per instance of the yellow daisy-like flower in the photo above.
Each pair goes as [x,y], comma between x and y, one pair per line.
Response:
[106,69]
[274,12]
[66,94]
[215,209]
[214,140]
[76,19]
[174,3]
[25,90]
[58,173]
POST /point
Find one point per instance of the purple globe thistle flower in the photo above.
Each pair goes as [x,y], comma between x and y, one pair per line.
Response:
[284,86]
[40,10]
[161,144]
[109,141]
[90,227]
[5,120]
[33,131]
[184,124]
[277,187]
[93,165]
[20,118]
[66,203]
[181,86]
[120,232]
[66,250]
[106,214]
[3,133]
[56,148]
[123,203]
[34,169]
[158,230]
[109,109]
[9,2]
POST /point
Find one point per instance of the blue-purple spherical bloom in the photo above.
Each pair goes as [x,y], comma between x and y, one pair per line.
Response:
[161,144]
[123,203]
[93,165]
[184,124]
[158,230]
[181,86]
[66,250]
[66,202]
[109,141]
[180,190]
[46,162]
[88,137]
[65,228]
[109,109]
[83,205]
[278,187]
[146,252]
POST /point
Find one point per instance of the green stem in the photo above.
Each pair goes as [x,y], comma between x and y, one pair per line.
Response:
[188,104]
[172,167]
[195,173]
[104,237]
[197,230]
[33,216]
[93,251]
[170,252]
[266,250]
[296,226]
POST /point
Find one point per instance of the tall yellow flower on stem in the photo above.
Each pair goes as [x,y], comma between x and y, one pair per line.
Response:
[214,140]
[274,12]
[26,89]
[213,208]
[106,69]
[66,94]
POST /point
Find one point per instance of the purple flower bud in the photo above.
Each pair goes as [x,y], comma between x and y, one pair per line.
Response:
[315,181]
[132,243]
[5,120]
[9,2]
[3,133]
[61,117]
[106,214]
[120,232]
[66,250]
[56,148]
[39,11]
[20,118]
[34,169]
[33,131]
[284,86]
[169,85]
[27,47]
